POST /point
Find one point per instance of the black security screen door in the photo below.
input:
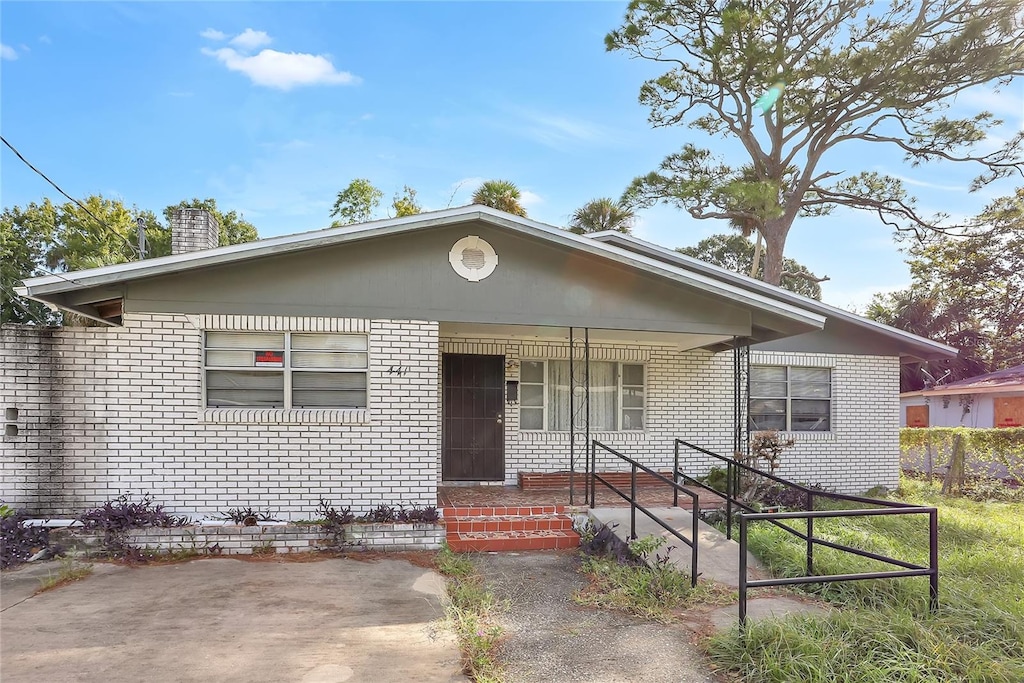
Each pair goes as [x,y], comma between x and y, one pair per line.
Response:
[473,411]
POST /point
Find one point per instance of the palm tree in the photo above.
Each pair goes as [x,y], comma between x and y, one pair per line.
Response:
[502,195]
[602,214]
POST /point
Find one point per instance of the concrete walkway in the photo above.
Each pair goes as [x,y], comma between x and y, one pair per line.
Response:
[717,558]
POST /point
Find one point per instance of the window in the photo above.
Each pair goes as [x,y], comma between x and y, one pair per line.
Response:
[790,398]
[616,396]
[285,370]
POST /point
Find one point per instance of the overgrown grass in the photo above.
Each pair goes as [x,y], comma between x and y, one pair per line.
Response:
[655,593]
[69,572]
[469,611]
[881,630]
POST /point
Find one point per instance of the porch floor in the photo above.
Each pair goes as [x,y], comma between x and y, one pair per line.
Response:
[513,496]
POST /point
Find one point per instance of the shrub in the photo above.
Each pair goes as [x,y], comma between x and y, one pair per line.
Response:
[115,517]
[19,542]
[247,516]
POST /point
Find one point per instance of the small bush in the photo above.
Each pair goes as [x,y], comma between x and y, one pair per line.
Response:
[19,542]
[247,516]
[116,517]
[779,495]
[335,521]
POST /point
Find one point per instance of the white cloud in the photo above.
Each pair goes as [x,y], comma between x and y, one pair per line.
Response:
[213,34]
[557,131]
[283,70]
[45,39]
[7,52]
[250,40]
[527,198]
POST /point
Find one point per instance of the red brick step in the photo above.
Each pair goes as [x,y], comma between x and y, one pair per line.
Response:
[512,528]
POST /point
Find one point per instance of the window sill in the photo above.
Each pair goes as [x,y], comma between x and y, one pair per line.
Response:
[279,416]
[809,436]
[624,435]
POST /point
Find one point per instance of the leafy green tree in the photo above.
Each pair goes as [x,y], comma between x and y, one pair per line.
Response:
[502,195]
[233,228]
[66,237]
[602,214]
[737,253]
[24,235]
[854,71]
[967,292]
[356,203]
[405,204]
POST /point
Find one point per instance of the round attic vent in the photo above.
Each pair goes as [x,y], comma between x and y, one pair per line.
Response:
[473,258]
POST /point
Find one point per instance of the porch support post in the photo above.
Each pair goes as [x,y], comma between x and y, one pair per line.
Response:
[579,405]
[572,415]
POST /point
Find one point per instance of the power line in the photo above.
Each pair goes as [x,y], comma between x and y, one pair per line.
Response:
[15,300]
[80,204]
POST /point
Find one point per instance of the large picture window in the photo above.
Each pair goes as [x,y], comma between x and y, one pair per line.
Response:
[285,370]
[616,396]
[792,399]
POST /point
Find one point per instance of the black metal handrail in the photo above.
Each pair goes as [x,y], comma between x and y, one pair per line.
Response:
[634,505]
[886,507]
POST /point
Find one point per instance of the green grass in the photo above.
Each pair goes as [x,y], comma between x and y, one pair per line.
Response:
[69,572]
[469,612]
[881,630]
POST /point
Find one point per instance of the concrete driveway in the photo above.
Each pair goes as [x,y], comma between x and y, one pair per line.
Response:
[229,620]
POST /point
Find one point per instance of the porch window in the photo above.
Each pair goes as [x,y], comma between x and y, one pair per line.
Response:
[285,370]
[790,399]
[617,392]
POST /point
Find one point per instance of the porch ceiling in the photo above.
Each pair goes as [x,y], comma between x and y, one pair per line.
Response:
[683,341]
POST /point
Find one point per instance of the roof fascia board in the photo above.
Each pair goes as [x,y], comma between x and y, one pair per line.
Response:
[959,391]
[611,237]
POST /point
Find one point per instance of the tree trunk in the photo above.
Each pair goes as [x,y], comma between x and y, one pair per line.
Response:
[754,267]
[774,246]
[953,484]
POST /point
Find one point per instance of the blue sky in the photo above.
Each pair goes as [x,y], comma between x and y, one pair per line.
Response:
[271,108]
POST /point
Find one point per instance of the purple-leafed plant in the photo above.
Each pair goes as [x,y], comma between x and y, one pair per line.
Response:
[335,520]
[19,542]
[115,517]
[247,516]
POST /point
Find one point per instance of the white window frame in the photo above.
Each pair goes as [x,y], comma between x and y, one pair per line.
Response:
[788,398]
[544,396]
[286,370]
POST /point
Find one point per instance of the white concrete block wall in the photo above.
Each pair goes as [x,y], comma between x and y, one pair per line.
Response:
[125,416]
[689,396]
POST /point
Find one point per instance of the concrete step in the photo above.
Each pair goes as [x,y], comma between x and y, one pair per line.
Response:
[510,541]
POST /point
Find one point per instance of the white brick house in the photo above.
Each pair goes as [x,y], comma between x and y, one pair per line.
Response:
[370,363]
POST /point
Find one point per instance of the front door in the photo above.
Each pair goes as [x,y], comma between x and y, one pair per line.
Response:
[473,415]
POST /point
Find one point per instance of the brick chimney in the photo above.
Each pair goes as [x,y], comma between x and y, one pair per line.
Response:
[193,230]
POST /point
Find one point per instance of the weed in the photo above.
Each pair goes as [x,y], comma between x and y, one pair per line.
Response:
[69,572]
[470,605]
[265,548]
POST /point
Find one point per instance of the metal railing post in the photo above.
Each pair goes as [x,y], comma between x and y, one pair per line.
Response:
[675,476]
[693,536]
[728,500]
[632,502]
[933,560]
[810,534]
[593,471]
[743,573]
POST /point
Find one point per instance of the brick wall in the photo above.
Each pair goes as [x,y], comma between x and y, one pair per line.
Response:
[689,396]
[193,230]
[104,411]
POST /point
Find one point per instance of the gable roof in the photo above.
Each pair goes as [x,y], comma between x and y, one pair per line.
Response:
[1007,379]
[923,346]
[50,288]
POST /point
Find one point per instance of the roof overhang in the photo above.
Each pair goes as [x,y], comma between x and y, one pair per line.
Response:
[916,347]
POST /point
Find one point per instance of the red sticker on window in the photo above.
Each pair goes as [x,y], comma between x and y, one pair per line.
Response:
[273,359]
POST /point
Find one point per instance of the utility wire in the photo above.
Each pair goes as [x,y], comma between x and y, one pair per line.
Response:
[25,309]
[80,204]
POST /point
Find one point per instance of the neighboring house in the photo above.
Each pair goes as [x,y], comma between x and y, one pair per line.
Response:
[992,400]
[371,363]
